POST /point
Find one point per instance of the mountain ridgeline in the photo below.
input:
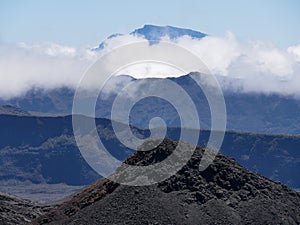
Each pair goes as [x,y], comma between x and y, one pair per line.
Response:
[154,34]
[43,150]
[246,112]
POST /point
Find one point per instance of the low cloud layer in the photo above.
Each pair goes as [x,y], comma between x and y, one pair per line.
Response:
[46,66]
[249,66]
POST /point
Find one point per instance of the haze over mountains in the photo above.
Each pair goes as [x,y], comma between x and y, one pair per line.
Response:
[248,112]
[39,158]
[41,153]
[48,139]
[258,67]
[259,107]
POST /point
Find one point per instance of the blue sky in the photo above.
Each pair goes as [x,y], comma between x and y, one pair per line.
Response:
[89,22]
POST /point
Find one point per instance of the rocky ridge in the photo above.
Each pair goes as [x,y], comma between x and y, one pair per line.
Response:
[224,193]
[14,210]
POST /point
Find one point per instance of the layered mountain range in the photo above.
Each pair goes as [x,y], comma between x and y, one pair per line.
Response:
[42,150]
[247,112]
[40,160]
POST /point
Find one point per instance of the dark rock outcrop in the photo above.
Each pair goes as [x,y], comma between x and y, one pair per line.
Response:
[14,210]
[224,193]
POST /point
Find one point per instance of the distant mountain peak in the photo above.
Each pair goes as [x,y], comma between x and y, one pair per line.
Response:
[155,33]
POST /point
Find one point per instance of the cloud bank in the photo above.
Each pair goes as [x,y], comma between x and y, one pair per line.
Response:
[247,66]
[46,66]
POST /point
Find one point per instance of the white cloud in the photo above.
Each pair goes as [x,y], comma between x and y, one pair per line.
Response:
[23,67]
[151,69]
[51,49]
[295,50]
[251,66]
[216,52]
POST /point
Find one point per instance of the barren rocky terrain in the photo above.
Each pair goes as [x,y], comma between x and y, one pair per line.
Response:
[224,193]
[14,210]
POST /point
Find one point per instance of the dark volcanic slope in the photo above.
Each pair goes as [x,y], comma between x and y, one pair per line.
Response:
[14,210]
[225,193]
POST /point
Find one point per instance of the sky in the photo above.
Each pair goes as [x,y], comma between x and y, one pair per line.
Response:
[48,44]
[89,22]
